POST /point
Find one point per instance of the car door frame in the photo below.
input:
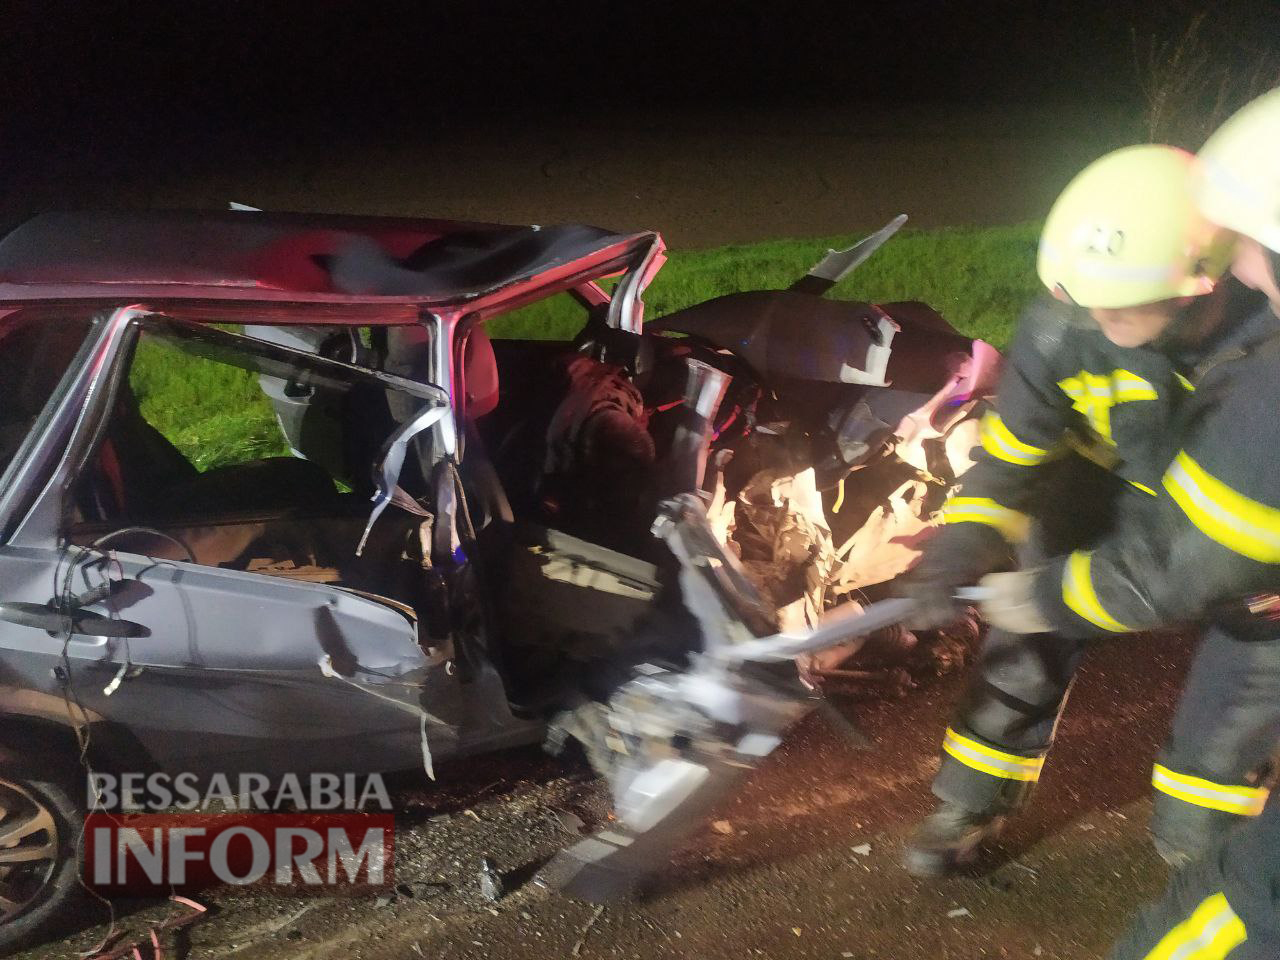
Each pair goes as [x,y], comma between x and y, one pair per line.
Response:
[75,428]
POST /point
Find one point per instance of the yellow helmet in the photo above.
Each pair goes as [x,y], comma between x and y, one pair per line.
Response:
[1238,175]
[1126,231]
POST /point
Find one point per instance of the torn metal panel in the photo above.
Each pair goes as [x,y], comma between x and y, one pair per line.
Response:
[784,542]
[838,264]
[237,667]
[674,742]
[626,308]
[395,450]
[725,722]
[686,464]
[716,589]
[788,335]
[896,452]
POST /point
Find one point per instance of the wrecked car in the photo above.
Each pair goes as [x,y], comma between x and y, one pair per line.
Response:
[429,542]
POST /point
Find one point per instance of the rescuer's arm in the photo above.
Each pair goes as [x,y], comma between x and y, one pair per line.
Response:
[1213,535]
[984,517]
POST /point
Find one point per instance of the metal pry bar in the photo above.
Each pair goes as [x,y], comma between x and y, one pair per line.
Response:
[838,627]
[838,264]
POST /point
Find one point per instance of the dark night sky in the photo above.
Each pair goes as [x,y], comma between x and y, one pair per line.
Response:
[181,66]
[108,82]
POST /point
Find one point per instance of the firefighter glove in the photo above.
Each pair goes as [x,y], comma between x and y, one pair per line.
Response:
[1007,602]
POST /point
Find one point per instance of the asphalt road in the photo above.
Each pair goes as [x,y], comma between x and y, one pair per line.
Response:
[803,862]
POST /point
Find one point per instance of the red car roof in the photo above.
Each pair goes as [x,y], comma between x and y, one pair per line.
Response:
[301,258]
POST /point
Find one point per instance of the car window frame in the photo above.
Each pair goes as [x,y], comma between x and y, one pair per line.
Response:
[44,517]
[19,490]
[166,327]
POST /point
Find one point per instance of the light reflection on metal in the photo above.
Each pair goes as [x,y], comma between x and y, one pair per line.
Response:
[626,310]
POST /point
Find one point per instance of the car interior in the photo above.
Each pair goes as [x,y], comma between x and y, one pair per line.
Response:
[296,503]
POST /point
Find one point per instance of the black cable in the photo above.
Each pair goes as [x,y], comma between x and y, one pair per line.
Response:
[62,601]
[106,537]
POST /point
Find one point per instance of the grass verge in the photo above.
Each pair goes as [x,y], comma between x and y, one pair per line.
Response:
[979,278]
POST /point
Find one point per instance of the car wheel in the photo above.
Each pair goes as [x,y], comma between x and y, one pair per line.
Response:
[40,826]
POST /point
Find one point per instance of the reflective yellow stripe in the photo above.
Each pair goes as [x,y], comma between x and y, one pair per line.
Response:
[1143,487]
[1094,394]
[1011,524]
[1245,801]
[1238,523]
[996,763]
[1094,405]
[1127,387]
[1079,595]
[1187,384]
[999,441]
[1211,932]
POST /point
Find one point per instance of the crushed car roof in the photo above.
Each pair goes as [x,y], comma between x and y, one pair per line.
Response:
[300,257]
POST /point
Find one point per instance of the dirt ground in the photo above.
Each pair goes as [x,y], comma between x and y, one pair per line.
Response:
[810,867]
[702,178]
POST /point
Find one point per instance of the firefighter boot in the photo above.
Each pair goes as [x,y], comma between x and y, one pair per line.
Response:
[949,839]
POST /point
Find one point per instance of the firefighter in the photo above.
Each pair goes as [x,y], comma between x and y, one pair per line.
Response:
[1226,906]
[1111,367]
[1222,907]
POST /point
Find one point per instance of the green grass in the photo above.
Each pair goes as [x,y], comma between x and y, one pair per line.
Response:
[213,413]
[978,278]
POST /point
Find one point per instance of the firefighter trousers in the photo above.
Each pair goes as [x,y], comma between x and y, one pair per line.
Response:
[1225,906]
[1224,732]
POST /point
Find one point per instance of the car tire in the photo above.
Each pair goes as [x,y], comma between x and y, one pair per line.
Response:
[39,811]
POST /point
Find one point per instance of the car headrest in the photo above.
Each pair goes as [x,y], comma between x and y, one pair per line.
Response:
[479,375]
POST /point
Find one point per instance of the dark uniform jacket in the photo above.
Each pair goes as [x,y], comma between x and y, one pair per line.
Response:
[1213,534]
[1198,435]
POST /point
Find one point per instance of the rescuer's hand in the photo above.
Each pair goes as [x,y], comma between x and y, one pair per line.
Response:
[936,605]
[1007,601]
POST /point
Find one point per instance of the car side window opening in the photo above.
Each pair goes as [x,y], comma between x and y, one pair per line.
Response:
[568,432]
[256,458]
